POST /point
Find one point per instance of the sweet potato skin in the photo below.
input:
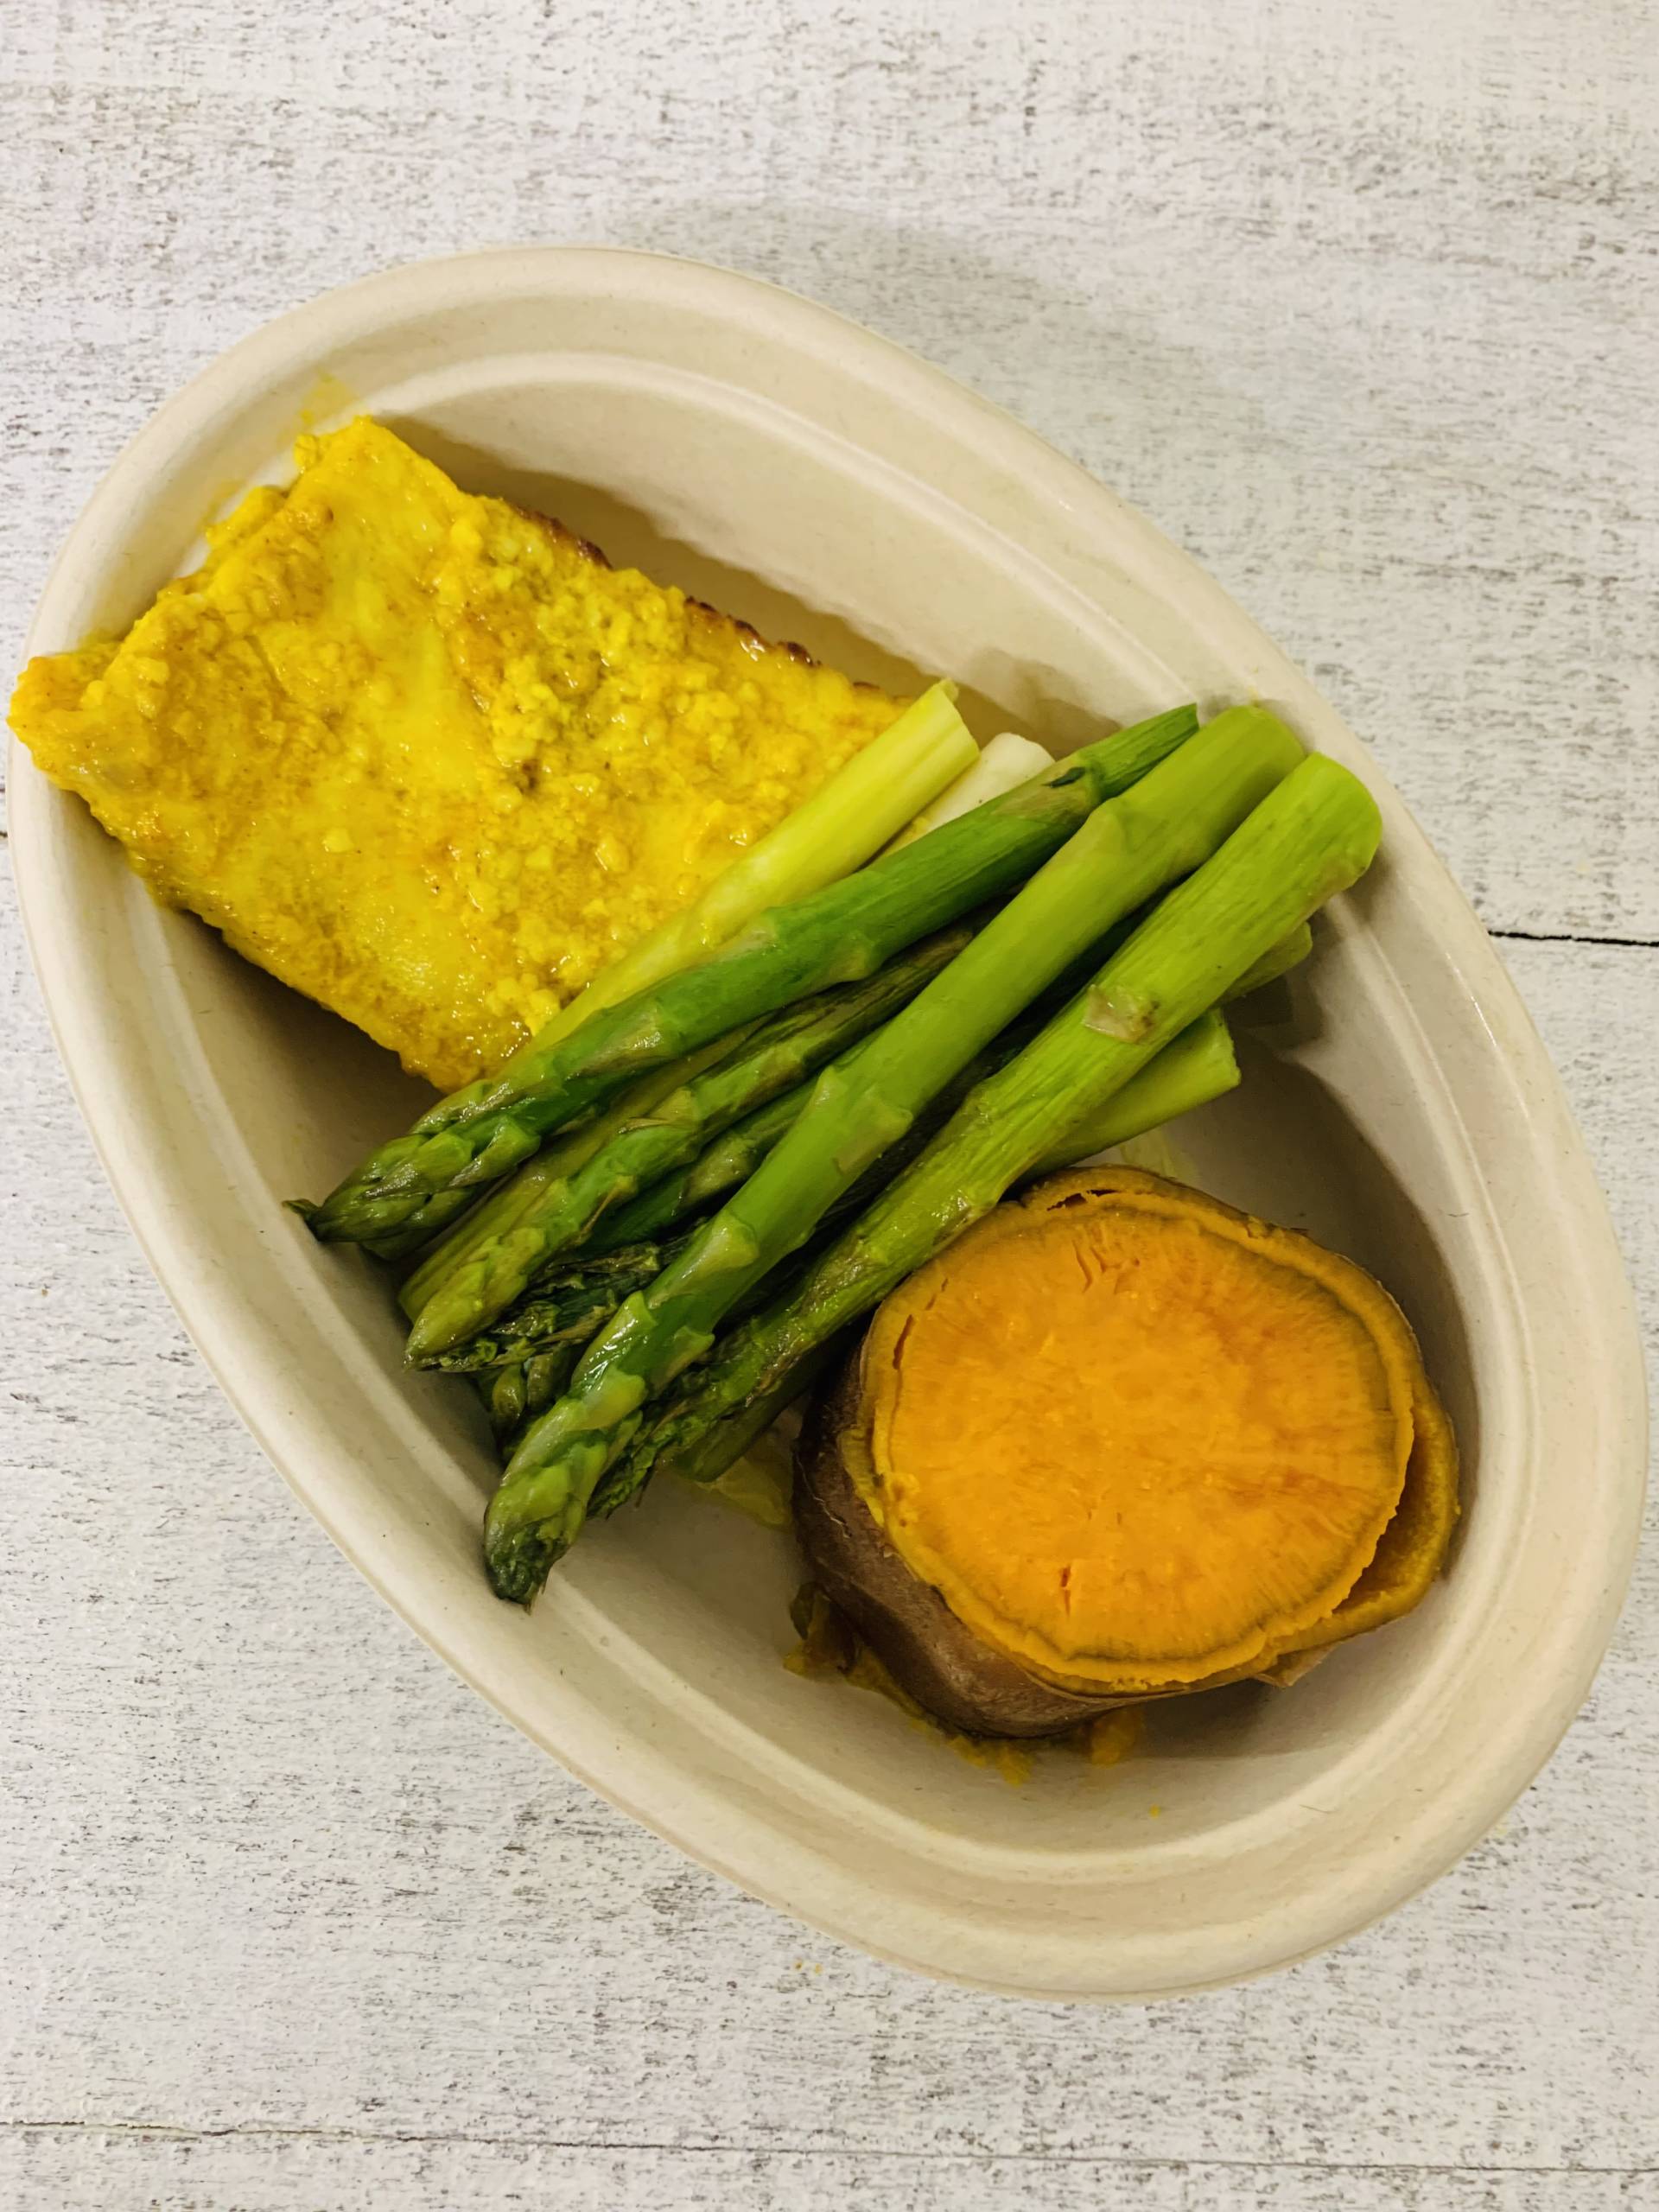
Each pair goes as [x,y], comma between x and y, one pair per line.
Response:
[927,1650]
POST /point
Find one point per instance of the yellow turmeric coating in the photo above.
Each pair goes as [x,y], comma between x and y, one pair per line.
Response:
[1139,1441]
[427,758]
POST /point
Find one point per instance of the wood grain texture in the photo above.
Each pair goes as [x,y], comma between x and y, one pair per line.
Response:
[87,2170]
[1358,302]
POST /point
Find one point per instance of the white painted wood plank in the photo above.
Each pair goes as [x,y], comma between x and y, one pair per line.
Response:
[1355,302]
[90,2169]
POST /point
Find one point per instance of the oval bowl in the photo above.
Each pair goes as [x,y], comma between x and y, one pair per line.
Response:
[793,469]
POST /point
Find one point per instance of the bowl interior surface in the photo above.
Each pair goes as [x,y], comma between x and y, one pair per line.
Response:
[739,448]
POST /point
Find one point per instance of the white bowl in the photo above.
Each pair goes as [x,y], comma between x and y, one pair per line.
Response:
[797,470]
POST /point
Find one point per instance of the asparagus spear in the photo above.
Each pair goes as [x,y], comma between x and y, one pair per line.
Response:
[1311,838]
[1193,1069]
[916,758]
[502,1390]
[516,1393]
[1155,832]
[569,1301]
[571,1309]
[413,1184]
[775,1056]
[571,1296]
[1196,1067]
[730,1159]
[1004,763]
[568,1298]
[1278,960]
[500,1208]
[706,1457]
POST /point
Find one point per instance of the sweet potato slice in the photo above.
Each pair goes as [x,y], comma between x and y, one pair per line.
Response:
[1122,1441]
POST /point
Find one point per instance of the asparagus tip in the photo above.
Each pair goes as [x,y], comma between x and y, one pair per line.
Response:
[520,1561]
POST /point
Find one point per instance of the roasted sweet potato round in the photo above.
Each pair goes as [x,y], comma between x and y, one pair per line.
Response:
[1186,1524]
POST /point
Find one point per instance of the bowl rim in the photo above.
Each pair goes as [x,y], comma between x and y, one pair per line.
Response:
[1612,1510]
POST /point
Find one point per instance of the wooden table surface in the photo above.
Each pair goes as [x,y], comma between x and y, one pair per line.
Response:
[1357,301]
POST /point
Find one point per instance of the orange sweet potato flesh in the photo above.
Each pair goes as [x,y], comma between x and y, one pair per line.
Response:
[947,1668]
[930,1654]
[1127,1442]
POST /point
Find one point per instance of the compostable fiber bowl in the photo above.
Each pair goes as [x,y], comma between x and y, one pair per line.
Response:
[790,467]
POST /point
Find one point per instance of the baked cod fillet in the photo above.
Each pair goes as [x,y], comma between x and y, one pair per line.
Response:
[427,758]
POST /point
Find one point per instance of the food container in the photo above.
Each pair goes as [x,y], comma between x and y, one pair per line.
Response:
[792,468]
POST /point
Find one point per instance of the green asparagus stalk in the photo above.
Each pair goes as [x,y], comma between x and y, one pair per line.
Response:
[516,1393]
[1312,837]
[574,1293]
[1192,1069]
[1278,960]
[1128,848]
[502,1390]
[570,1310]
[706,1459]
[414,1185]
[912,762]
[1196,1067]
[730,1159]
[502,1207]
[568,1303]
[772,1061]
